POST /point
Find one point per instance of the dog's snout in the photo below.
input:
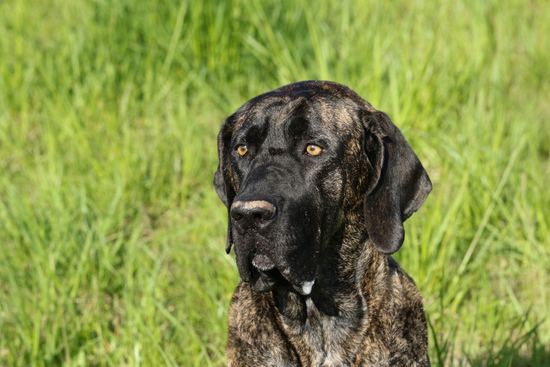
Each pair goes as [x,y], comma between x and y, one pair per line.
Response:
[253,214]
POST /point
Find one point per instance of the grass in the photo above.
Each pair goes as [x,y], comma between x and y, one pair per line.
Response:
[111,235]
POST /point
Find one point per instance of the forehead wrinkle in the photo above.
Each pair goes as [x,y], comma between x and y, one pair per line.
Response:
[280,120]
[251,111]
[288,110]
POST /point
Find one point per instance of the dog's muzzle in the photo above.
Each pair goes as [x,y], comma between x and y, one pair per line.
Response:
[255,216]
[261,261]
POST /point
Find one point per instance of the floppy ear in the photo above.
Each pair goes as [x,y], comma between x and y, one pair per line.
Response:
[400,184]
[222,177]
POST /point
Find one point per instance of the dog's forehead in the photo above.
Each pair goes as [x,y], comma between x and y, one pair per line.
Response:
[326,107]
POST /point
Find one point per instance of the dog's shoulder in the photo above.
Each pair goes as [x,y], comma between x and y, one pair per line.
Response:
[397,331]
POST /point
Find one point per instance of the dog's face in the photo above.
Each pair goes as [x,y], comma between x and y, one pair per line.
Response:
[295,165]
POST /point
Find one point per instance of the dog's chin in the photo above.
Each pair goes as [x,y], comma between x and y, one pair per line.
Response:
[262,284]
[264,281]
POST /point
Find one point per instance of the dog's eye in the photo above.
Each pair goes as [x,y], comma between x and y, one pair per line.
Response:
[242,150]
[313,149]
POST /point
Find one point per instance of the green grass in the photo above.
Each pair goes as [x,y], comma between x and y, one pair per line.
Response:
[111,235]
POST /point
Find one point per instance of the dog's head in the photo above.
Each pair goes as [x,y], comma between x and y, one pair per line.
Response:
[298,164]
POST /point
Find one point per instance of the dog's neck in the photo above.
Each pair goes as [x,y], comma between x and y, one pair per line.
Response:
[335,313]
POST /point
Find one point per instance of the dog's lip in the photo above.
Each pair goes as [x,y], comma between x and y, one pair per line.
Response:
[262,262]
[304,288]
[265,268]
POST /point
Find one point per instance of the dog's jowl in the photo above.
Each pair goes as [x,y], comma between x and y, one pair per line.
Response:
[317,185]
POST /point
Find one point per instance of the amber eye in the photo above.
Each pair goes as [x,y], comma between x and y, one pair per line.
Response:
[313,149]
[242,150]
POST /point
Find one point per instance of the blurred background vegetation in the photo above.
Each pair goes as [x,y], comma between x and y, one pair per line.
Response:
[111,235]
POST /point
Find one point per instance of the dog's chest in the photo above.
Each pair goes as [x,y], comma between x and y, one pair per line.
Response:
[323,340]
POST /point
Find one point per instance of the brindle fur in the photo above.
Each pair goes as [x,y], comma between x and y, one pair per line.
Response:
[364,310]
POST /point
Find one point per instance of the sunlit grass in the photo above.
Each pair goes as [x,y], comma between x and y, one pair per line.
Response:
[111,235]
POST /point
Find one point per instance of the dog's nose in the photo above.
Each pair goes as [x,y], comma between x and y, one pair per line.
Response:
[255,214]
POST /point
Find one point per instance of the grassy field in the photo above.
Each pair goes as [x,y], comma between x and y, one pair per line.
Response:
[112,237]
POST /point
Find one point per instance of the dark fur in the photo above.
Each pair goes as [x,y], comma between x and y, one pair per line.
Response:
[333,219]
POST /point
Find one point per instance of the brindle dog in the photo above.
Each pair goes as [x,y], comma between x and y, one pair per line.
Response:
[317,184]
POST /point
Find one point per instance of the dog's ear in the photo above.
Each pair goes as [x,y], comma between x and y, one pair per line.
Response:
[399,183]
[219,185]
[222,177]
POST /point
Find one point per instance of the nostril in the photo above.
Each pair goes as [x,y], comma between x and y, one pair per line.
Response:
[259,218]
[236,216]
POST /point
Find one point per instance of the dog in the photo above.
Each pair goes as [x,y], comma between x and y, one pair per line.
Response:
[317,184]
